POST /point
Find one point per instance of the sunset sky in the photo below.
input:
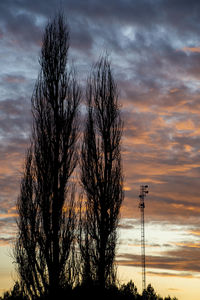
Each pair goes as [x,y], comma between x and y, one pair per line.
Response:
[154,46]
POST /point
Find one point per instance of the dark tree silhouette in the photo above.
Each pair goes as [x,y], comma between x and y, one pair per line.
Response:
[125,292]
[101,177]
[149,293]
[46,204]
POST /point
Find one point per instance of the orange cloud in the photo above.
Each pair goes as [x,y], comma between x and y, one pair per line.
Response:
[185,125]
[194,232]
[186,207]
[175,90]
[8,215]
[127,188]
[188,148]
[191,49]
[190,245]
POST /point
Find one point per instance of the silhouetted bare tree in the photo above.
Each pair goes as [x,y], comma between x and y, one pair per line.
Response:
[46,203]
[101,177]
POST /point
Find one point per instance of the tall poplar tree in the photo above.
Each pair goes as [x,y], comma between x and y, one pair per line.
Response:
[46,204]
[101,177]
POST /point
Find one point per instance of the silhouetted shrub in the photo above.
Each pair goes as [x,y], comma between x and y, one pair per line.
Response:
[126,291]
[129,290]
[149,293]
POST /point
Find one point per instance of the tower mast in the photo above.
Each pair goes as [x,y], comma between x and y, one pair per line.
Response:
[143,192]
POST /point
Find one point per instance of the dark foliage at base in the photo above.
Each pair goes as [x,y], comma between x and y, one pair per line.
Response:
[124,292]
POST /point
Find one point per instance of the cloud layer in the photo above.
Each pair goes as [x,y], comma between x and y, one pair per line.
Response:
[155,51]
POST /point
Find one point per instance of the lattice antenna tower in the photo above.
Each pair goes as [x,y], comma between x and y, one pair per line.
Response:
[143,192]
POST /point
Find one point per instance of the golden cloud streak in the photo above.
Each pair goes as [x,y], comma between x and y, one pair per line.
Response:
[194,232]
[163,274]
[8,215]
[191,49]
[190,245]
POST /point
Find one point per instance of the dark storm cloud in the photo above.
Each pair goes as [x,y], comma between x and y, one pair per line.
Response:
[168,274]
[101,19]
[147,49]
[19,26]
[15,123]
[126,224]
[13,78]
[8,225]
[15,120]
[183,258]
